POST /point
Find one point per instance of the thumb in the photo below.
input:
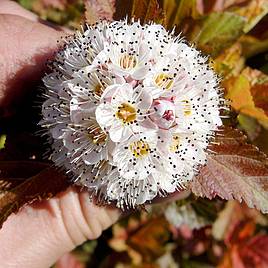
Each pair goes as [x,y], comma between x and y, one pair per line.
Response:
[40,234]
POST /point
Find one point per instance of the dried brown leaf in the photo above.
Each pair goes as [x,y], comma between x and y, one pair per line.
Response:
[99,9]
[255,252]
[44,185]
[178,11]
[149,240]
[148,11]
[237,170]
[244,250]
[248,93]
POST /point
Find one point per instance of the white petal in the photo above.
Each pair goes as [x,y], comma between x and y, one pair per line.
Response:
[119,132]
[122,94]
[104,115]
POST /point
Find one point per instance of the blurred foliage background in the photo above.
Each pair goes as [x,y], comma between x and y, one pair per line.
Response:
[193,233]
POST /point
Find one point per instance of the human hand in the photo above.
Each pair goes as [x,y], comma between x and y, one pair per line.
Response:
[39,234]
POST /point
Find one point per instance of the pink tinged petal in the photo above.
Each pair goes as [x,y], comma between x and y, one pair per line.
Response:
[140,72]
[120,154]
[82,110]
[47,109]
[104,115]
[119,133]
[57,132]
[156,92]
[180,84]
[132,82]
[100,59]
[119,79]
[78,116]
[117,70]
[110,148]
[165,182]
[113,189]
[109,92]
[146,195]
[68,140]
[95,156]
[122,94]
[164,115]
[86,70]
[143,98]
[144,125]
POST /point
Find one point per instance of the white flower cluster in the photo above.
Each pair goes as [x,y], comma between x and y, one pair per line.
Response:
[184,215]
[131,110]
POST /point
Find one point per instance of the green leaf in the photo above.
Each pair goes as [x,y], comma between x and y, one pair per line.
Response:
[218,31]
[250,125]
[2,141]
[195,264]
[27,3]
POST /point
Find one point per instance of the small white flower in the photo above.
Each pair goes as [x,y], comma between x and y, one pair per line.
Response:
[130,110]
[167,78]
[123,110]
[138,156]
[184,215]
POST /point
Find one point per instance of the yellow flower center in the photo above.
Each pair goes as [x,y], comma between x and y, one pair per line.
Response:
[126,113]
[96,135]
[187,109]
[139,148]
[164,81]
[128,62]
[175,143]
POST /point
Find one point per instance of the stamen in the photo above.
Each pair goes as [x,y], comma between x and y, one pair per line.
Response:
[164,81]
[128,62]
[187,109]
[97,135]
[139,148]
[175,143]
[126,113]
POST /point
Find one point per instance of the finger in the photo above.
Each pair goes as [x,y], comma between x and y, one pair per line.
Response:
[37,236]
[24,49]
[12,8]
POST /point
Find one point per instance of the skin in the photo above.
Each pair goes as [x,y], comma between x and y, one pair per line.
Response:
[38,235]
